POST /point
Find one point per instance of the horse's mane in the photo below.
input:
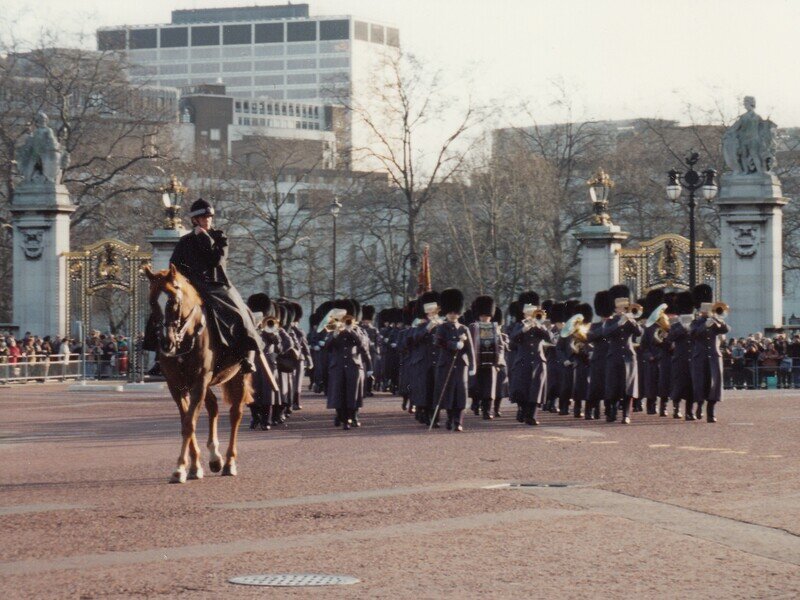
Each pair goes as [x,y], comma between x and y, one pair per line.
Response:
[169,281]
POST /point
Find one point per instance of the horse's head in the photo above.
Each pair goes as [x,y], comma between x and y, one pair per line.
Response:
[181,313]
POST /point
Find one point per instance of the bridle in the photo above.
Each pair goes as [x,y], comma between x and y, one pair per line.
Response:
[182,328]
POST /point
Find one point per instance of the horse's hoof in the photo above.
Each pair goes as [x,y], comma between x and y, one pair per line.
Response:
[178,476]
[196,473]
[229,470]
[215,465]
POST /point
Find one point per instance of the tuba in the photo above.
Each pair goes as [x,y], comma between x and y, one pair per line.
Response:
[659,317]
[332,321]
[575,329]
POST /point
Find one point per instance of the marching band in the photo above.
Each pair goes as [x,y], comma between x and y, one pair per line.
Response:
[439,356]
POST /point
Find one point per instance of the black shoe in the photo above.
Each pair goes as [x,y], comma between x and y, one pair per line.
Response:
[253,423]
[346,425]
[520,416]
[265,427]
[458,428]
[487,416]
[690,416]
[436,425]
[448,425]
[337,421]
[531,421]
[677,414]
[497,414]
[356,422]
[296,407]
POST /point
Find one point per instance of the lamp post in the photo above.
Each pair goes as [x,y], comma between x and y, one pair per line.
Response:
[336,206]
[599,186]
[171,198]
[692,181]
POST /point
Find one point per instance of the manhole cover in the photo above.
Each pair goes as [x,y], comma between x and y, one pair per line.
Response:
[293,580]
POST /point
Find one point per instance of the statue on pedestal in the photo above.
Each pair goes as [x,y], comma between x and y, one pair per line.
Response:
[749,145]
[40,158]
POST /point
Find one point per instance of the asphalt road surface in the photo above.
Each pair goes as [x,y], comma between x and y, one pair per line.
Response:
[661,508]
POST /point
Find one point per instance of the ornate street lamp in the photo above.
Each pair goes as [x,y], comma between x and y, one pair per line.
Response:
[692,181]
[599,186]
[171,198]
[336,206]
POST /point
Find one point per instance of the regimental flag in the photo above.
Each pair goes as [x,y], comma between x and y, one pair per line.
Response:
[424,278]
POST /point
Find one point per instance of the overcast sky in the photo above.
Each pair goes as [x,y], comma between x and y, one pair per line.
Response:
[618,58]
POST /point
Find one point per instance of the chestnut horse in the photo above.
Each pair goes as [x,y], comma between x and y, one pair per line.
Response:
[191,364]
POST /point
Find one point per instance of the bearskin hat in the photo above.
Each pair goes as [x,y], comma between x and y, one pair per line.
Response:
[670,298]
[684,303]
[397,315]
[356,309]
[298,311]
[201,208]
[452,301]
[653,300]
[619,291]
[426,298]
[529,297]
[368,312]
[702,293]
[483,306]
[343,304]
[603,305]
[281,314]
[259,303]
[571,308]
[547,305]
[557,312]
[498,315]
[468,317]
[586,310]
[515,310]
[289,309]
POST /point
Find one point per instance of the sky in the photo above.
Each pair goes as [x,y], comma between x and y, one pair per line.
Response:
[616,59]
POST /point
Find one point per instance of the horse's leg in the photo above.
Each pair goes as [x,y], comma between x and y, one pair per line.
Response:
[182,400]
[237,393]
[195,468]
[215,458]
[188,425]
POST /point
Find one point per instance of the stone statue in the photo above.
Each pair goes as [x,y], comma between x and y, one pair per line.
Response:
[749,145]
[40,158]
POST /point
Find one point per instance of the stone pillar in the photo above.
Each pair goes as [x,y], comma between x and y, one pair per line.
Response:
[599,253]
[40,217]
[163,242]
[751,236]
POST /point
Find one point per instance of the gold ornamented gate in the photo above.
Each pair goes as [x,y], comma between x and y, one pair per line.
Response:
[109,265]
[663,262]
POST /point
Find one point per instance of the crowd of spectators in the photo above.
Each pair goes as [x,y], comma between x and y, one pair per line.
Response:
[757,361]
[106,354]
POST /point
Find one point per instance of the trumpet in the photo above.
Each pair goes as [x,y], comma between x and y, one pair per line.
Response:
[538,317]
[659,317]
[635,310]
[718,312]
[348,321]
[270,324]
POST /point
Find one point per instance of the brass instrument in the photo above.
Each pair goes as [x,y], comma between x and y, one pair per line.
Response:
[538,317]
[659,317]
[271,324]
[348,322]
[576,329]
[332,321]
[718,313]
[635,310]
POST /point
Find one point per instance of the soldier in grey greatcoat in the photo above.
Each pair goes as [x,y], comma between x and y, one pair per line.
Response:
[501,382]
[604,308]
[621,384]
[565,370]
[583,369]
[651,349]
[367,316]
[455,363]
[665,366]
[528,385]
[348,361]
[264,397]
[680,367]
[706,332]
[306,359]
[422,354]
[489,353]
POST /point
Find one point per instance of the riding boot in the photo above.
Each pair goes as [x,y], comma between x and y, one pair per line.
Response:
[662,408]
[590,404]
[710,412]
[248,363]
[475,407]
[699,412]
[265,416]
[611,410]
[627,405]
[497,402]
[356,422]
[404,405]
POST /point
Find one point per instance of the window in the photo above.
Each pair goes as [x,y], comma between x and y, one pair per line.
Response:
[290,198]
[205,68]
[176,69]
[269,50]
[267,33]
[213,135]
[237,81]
[334,30]
[301,63]
[299,49]
[174,37]
[237,52]
[361,31]
[301,31]
[237,34]
[268,80]
[207,52]
[334,63]
[302,78]
[268,65]
[302,94]
[392,37]
[114,40]
[143,38]
[205,36]
[376,34]
[236,67]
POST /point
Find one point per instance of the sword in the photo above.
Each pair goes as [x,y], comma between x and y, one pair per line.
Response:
[444,389]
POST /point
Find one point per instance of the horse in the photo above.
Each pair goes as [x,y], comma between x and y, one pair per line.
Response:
[192,362]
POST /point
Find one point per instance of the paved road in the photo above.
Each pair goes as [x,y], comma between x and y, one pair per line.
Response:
[658,509]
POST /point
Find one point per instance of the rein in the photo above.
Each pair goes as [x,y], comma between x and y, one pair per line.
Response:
[182,333]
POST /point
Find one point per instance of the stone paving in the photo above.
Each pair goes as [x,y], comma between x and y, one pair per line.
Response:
[658,509]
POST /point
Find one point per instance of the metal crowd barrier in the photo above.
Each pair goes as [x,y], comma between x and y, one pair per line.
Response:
[53,367]
[750,375]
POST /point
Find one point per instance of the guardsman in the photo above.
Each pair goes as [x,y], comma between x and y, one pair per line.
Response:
[665,369]
[604,308]
[367,316]
[306,360]
[680,367]
[706,332]
[264,397]
[530,336]
[502,368]
[566,365]
[640,362]
[489,353]
[621,385]
[201,256]
[651,349]
[581,356]
[455,363]
[422,355]
[348,359]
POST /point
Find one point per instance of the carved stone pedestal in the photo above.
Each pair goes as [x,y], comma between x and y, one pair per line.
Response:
[751,236]
[163,242]
[600,246]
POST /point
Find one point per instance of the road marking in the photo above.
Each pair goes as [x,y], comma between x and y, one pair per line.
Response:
[606,442]
[557,438]
[759,540]
[771,456]
[92,562]
[22,509]
[574,432]
[358,495]
[701,449]
[659,445]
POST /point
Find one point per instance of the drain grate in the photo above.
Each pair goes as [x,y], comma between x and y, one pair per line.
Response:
[293,580]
